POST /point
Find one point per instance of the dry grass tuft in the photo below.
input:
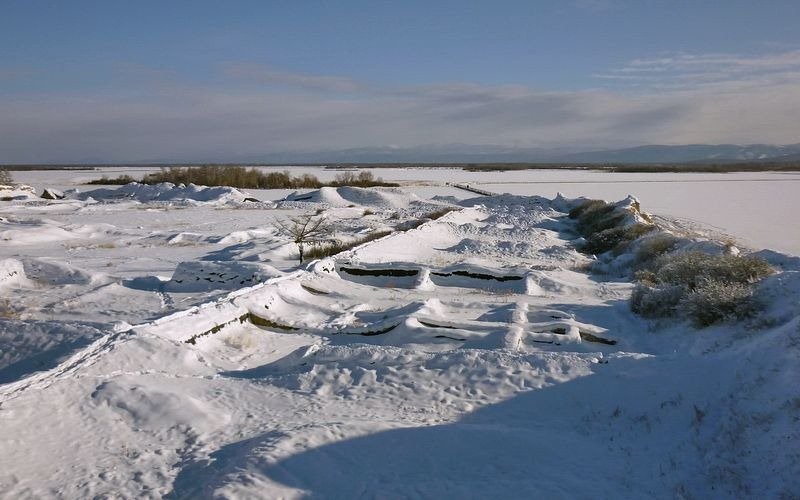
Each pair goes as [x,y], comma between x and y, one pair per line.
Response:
[705,288]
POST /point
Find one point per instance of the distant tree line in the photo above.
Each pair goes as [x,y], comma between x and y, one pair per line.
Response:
[248,178]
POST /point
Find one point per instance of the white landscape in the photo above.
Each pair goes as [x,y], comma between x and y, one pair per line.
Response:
[164,341]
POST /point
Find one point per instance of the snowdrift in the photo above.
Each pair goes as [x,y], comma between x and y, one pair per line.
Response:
[16,192]
[354,196]
[163,192]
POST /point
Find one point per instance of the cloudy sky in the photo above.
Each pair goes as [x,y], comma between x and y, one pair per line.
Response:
[114,80]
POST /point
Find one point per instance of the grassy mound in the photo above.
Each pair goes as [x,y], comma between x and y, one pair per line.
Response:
[607,226]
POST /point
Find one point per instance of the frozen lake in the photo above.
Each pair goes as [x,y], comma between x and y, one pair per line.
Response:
[757,209]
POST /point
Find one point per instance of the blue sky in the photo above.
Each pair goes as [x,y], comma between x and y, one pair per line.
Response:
[132,81]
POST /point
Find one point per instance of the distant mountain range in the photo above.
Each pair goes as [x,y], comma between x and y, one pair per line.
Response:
[463,153]
[470,153]
[690,153]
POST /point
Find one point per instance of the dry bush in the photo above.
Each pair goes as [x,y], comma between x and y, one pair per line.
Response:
[692,268]
[601,224]
[332,248]
[239,177]
[8,310]
[5,177]
[362,179]
[657,302]
[248,178]
[106,181]
[595,216]
[611,239]
[706,288]
[714,301]
[655,245]
[585,206]
[436,214]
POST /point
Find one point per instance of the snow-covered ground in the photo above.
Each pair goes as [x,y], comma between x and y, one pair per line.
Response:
[165,343]
[736,204]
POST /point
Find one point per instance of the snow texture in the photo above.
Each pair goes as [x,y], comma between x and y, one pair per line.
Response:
[155,348]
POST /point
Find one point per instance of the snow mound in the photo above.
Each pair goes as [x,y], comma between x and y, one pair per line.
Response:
[346,196]
[244,236]
[155,409]
[164,192]
[14,192]
[513,248]
[30,346]
[57,273]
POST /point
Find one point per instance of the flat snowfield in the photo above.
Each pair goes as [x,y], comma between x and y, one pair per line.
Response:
[164,342]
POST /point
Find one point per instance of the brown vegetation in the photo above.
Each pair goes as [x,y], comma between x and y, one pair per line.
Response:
[706,288]
[248,178]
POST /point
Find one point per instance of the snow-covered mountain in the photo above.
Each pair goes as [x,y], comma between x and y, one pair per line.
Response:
[470,153]
[688,153]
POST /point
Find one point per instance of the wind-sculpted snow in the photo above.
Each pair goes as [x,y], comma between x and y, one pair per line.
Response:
[345,196]
[16,192]
[164,192]
[30,346]
[470,357]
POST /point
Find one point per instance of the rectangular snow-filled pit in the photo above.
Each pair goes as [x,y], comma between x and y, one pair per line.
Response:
[388,277]
[481,281]
[544,315]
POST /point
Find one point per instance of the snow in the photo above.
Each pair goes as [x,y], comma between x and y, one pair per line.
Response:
[168,344]
[164,192]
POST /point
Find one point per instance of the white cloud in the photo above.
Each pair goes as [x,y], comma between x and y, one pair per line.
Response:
[268,75]
[180,121]
[687,71]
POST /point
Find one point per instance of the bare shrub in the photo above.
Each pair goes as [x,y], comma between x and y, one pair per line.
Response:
[603,226]
[240,177]
[692,268]
[5,177]
[595,216]
[332,248]
[106,181]
[585,206]
[436,214]
[248,178]
[362,179]
[610,239]
[714,301]
[305,230]
[706,288]
[657,302]
[655,245]
[8,310]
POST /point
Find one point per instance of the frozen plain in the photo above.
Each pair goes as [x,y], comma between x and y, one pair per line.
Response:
[472,393]
[741,205]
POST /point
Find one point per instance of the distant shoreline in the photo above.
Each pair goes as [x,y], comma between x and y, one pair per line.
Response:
[729,167]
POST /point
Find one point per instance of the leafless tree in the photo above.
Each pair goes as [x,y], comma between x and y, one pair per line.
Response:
[306,229]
